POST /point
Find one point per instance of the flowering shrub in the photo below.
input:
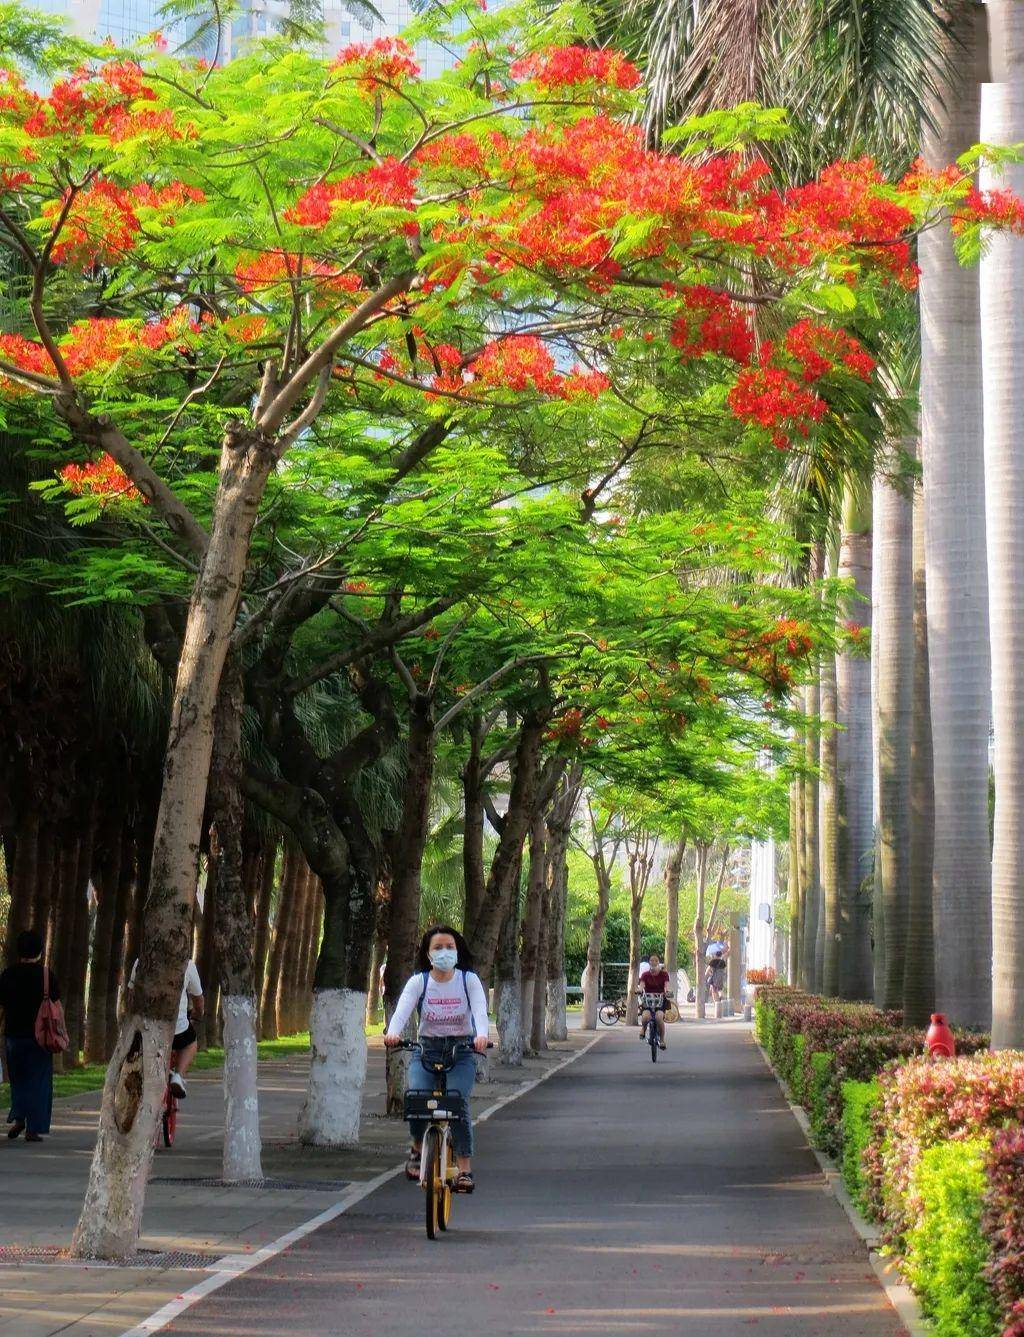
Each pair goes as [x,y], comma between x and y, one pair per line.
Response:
[925,1103]
[765,976]
[946,1248]
[103,479]
[1002,1224]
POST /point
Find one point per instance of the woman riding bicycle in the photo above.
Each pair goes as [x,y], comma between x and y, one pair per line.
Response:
[452,1008]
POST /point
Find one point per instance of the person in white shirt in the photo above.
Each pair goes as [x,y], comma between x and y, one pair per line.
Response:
[185,1042]
[452,1007]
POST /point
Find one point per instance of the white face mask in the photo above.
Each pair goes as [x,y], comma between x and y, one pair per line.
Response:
[444,958]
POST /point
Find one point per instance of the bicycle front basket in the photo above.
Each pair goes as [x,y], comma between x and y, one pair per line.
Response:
[425,1105]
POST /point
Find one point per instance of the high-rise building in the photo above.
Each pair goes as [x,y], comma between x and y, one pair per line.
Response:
[126,21]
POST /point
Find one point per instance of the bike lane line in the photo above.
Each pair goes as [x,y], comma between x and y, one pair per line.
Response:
[232,1266]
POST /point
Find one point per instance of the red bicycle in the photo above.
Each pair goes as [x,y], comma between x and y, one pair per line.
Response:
[168,1116]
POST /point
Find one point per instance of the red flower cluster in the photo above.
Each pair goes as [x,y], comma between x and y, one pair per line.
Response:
[570,66]
[997,208]
[104,219]
[390,182]
[712,323]
[386,62]
[25,354]
[518,362]
[274,269]
[819,348]
[523,362]
[566,727]
[103,478]
[771,654]
[460,151]
[103,101]
[95,345]
[771,398]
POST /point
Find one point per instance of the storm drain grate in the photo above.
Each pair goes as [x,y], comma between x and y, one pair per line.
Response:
[309,1185]
[15,1255]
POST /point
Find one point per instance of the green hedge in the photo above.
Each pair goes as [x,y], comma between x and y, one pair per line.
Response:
[860,1100]
[817,1097]
[795,1075]
[946,1252]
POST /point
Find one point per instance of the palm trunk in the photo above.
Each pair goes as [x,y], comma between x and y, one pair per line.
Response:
[829,838]
[957,586]
[853,753]
[793,894]
[22,884]
[892,650]
[1002,292]
[112,1211]
[268,869]
[812,890]
[919,973]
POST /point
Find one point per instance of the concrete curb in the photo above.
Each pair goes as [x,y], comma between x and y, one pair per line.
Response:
[897,1292]
[236,1265]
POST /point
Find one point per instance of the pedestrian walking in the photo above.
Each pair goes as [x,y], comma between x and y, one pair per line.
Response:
[23,987]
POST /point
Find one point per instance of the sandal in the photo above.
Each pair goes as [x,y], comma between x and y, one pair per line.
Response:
[464,1182]
[412,1165]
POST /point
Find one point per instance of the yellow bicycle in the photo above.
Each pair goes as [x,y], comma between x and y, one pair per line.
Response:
[441,1107]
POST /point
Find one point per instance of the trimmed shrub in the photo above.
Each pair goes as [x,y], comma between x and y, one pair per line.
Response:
[860,1057]
[861,1100]
[925,1103]
[1002,1224]
[821,1083]
[946,1249]
[795,1075]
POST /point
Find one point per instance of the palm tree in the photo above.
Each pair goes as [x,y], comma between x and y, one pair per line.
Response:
[954,514]
[853,748]
[1002,292]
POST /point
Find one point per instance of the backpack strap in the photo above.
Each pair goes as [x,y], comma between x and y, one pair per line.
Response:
[46,984]
[423,994]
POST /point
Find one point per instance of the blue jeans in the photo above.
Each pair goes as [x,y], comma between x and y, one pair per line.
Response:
[461,1079]
[30,1073]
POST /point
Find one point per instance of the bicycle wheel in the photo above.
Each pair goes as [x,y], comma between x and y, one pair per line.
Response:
[608,1014]
[431,1189]
[652,1039]
[444,1201]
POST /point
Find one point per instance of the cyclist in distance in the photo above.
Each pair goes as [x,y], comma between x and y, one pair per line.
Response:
[452,1006]
[654,979]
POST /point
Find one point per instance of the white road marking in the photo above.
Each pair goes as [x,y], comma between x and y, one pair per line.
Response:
[234,1265]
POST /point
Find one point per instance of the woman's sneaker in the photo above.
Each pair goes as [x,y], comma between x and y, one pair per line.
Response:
[177,1083]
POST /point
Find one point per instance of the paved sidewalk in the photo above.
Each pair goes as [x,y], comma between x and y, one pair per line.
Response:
[187,1222]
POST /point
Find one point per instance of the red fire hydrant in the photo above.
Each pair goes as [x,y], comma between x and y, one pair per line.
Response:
[939,1039]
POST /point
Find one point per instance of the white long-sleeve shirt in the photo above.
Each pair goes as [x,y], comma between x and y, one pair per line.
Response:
[448,1008]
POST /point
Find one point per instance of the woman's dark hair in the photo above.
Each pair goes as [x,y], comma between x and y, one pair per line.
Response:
[30,945]
[465,961]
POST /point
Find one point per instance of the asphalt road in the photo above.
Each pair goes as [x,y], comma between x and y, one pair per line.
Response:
[618,1198]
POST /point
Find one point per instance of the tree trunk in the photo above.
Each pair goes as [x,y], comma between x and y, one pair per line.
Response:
[23,882]
[533,972]
[206,956]
[288,894]
[829,839]
[1002,291]
[501,880]
[46,877]
[108,884]
[235,932]
[473,872]
[291,964]
[795,846]
[268,871]
[853,751]
[673,878]
[699,924]
[136,1079]
[558,834]
[957,587]
[919,972]
[812,890]
[592,971]
[892,649]
[509,991]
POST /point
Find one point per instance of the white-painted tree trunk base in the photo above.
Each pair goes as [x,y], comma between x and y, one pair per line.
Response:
[337,1069]
[133,1096]
[510,1024]
[591,1002]
[243,1147]
[556,1023]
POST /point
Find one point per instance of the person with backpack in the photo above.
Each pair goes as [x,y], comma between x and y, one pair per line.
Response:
[452,1006]
[33,1033]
